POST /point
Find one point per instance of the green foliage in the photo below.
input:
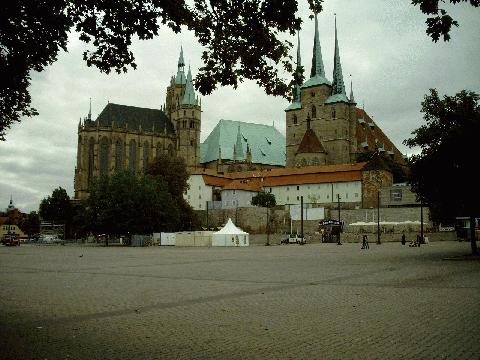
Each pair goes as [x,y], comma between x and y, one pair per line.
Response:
[241,39]
[442,175]
[440,22]
[57,207]
[124,204]
[173,172]
[31,224]
[264,199]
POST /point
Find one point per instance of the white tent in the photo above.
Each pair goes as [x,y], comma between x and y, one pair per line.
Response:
[230,235]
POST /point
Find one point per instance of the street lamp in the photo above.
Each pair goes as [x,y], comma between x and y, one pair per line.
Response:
[339,221]
[378,217]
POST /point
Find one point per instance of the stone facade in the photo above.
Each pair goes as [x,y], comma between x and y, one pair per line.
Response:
[128,138]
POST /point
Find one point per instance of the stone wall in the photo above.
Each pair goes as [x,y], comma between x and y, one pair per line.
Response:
[253,220]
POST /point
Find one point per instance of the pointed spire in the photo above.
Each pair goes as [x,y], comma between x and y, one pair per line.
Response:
[90,111]
[238,152]
[181,62]
[180,78]
[352,99]
[189,95]
[338,87]
[299,65]
[317,61]
[317,74]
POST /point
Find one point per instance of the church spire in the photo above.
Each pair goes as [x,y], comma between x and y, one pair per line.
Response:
[352,99]
[189,95]
[180,78]
[317,61]
[317,74]
[90,111]
[238,152]
[338,87]
[299,65]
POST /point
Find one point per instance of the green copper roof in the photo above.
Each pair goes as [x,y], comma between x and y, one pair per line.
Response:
[317,61]
[316,81]
[336,98]
[239,153]
[121,115]
[338,87]
[189,95]
[296,104]
[180,78]
[317,74]
[266,143]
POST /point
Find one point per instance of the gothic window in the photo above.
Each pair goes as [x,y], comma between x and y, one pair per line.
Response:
[184,112]
[184,124]
[91,159]
[79,155]
[170,150]
[192,142]
[334,113]
[193,113]
[294,118]
[118,155]
[104,156]
[132,163]
[314,111]
[145,155]
[313,94]
[158,151]
[192,124]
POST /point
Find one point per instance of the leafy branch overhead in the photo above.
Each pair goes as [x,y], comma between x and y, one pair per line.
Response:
[242,39]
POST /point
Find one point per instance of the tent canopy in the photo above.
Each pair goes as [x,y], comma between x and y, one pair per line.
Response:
[229,228]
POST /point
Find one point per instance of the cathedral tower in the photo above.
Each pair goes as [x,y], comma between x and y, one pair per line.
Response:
[184,110]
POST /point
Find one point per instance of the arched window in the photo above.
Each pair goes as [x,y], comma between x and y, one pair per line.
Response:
[104,155]
[118,155]
[334,113]
[295,118]
[132,163]
[145,154]
[79,152]
[91,159]
[158,151]
[192,124]
[314,112]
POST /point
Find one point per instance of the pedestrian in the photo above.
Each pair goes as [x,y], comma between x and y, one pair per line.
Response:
[365,242]
[418,240]
[403,238]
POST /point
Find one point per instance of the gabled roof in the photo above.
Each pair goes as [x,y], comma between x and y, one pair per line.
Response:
[255,180]
[149,119]
[266,143]
[310,144]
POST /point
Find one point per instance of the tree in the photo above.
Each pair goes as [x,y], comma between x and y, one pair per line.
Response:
[399,171]
[440,22]
[268,201]
[442,174]
[31,224]
[243,39]
[125,204]
[56,207]
[172,171]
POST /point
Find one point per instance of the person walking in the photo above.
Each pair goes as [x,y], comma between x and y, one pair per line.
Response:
[403,238]
[365,242]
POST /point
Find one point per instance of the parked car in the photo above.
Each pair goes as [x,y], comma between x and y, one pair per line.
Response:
[10,240]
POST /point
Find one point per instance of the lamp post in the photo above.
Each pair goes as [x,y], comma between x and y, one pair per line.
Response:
[301,216]
[378,217]
[339,221]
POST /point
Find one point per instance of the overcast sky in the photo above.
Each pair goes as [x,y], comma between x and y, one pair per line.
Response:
[382,44]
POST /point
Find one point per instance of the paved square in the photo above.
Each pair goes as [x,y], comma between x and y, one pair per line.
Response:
[317,301]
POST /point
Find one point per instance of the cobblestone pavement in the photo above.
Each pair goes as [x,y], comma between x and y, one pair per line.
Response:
[317,301]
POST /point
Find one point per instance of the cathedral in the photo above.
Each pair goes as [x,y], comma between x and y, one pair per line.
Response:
[128,137]
[323,127]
